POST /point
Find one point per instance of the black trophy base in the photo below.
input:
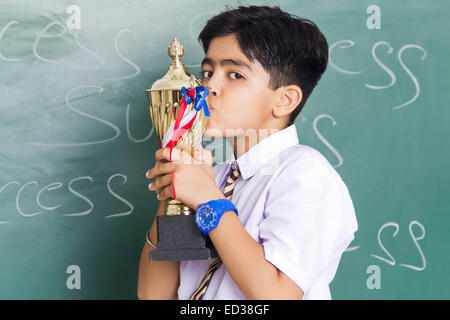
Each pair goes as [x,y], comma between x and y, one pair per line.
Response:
[180,239]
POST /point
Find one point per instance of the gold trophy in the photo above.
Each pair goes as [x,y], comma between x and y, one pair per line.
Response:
[178,236]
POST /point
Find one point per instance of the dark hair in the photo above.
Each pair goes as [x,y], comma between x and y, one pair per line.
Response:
[291,49]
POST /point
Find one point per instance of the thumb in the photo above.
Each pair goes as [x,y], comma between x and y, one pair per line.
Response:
[202,155]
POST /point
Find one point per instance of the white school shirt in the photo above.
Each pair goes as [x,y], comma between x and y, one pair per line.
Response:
[294,203]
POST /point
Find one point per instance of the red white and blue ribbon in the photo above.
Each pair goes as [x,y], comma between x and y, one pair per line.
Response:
[184,120]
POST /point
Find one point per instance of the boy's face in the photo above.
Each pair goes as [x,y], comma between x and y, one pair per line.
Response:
[240,98]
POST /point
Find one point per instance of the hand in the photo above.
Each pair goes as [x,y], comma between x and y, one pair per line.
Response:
[192,177]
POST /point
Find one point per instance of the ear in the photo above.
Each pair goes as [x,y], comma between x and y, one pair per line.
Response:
[288,99]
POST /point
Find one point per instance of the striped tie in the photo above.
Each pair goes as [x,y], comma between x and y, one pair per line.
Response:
[217,262]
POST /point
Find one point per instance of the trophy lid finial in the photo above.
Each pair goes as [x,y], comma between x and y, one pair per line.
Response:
[177,75]
[175,49]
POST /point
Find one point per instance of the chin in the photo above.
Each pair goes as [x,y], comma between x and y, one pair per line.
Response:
[212,131]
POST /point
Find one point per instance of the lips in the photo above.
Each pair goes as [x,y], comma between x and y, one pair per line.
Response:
[208,102]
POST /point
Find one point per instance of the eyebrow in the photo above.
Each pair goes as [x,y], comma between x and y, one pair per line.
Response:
[235,62]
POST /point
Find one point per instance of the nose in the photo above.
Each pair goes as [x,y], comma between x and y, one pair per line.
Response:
[211,84]
[212,91]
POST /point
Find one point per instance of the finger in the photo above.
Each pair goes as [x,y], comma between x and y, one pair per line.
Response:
[183,158]
[160,182]
[202,155]
[165,193]
[198,156]
[164,154]
[161,168]
[207,156]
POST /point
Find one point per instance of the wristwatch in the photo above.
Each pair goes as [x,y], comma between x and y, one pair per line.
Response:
[208,214]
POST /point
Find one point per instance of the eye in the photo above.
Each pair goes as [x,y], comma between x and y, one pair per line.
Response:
[203,74]
[238,75]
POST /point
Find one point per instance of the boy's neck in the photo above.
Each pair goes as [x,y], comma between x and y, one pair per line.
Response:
[241,144]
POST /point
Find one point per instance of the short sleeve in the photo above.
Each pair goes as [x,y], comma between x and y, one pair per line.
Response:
[309,220]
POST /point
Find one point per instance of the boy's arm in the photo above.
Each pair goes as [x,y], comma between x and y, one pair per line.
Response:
[157,279]
[244,260]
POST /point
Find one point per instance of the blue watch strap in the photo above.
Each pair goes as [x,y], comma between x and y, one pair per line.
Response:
[222,206]
[219,207]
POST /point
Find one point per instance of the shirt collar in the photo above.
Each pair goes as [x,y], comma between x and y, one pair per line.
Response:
[256,157]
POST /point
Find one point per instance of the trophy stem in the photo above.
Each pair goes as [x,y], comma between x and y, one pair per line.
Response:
[176,208]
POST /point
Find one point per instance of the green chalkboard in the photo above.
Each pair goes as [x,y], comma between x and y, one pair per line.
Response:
[76,139]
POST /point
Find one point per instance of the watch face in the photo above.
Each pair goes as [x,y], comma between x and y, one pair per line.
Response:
[206,217]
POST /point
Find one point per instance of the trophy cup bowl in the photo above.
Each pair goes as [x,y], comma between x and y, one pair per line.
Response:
[178,236]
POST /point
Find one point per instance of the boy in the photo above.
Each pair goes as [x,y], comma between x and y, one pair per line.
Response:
[295,215]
